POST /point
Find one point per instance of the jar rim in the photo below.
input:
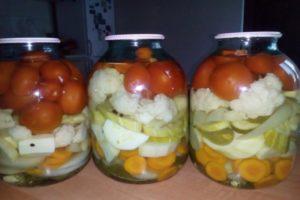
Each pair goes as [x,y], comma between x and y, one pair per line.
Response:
[29,40]
[259,34]
[135,37]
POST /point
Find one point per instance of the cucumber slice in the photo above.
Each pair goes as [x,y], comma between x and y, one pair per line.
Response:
[244,125]
[293,94]
[122,138]
[10,171]
[164,139]
[214,126]
[277,141]
[155,149]
[195,139]
[122,121]
[97,117]
[22,162]
[7,150]
[221,137]
[157,129]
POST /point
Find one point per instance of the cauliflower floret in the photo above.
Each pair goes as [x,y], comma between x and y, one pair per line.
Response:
[161,107]
[125,102]
[203,99]
[19,133]
[261,99]
[63,135]
[80,133]
[6,120]
[104,82]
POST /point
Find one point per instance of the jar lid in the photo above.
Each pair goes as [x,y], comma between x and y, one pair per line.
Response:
[135,37]
[29,40]
[248,34]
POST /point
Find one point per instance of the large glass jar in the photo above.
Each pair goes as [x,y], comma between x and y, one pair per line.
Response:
[138,104]
[245,111]
[43,113]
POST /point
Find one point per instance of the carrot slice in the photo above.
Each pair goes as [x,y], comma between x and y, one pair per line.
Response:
[268,167]
[214,155]
[57,159]
[253,169]
[35,172]
[135,165]
[267,181]
[167,173]
[127,154]
[216,171]
[143,53]
[161,163]
[236,164]
[283,168]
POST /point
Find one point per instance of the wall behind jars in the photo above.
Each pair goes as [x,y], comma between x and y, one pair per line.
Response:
[188,25]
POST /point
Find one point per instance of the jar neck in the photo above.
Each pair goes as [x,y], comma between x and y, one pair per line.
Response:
[120,44]
[252,45]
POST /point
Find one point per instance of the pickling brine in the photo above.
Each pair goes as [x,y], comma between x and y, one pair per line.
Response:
[43,113]
[138,106]
[245,111]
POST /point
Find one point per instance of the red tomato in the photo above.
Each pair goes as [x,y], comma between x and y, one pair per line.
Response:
[201,78]
[137,79]
[219,60]
[41,117]
[24,80]
[166,78]
[6,70]
[35,56]
[55,70]
[50,90]
[73,98]
[260,63]
[287,78]
[229,80]
[75,73]
[11,101]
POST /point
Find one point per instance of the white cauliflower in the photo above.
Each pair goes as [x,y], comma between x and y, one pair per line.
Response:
[161,107]
[125,102]
[203,99]
[63,135]
[6,119]
[80,133]
[19,133]
[261,99]
[104,82]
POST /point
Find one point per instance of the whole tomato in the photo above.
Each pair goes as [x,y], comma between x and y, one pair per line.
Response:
[75,73]
[287,78]
[41,117]
[228,80]
[24,80]
[167,78]
[260,63]
[55,70]
[137,79]
[201,78]
[6,70]
[50,90]
[73,98]
[219,59]
[34,59]
[11,101]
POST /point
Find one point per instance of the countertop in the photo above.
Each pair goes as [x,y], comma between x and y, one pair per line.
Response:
[188,184]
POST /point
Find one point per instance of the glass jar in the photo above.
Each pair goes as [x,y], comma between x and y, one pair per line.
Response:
[138,104]
[245,111]
[43,113]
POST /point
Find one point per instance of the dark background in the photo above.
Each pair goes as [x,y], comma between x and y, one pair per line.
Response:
[276,15]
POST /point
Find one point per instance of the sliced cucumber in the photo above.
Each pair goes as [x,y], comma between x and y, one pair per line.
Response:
[97,117]
[195,139]
[155,149]
[122,121]
[221,137]
[22,162]
[214,126]
[157,129]
[7,150]
[164,139]
[122,138]
[244,125]
[277,141]
[10,170]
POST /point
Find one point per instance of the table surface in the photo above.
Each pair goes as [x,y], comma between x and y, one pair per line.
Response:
[188,184]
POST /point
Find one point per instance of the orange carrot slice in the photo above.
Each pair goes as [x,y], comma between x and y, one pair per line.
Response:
[216,171]
[135,165]
[161,163]
[283,168]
